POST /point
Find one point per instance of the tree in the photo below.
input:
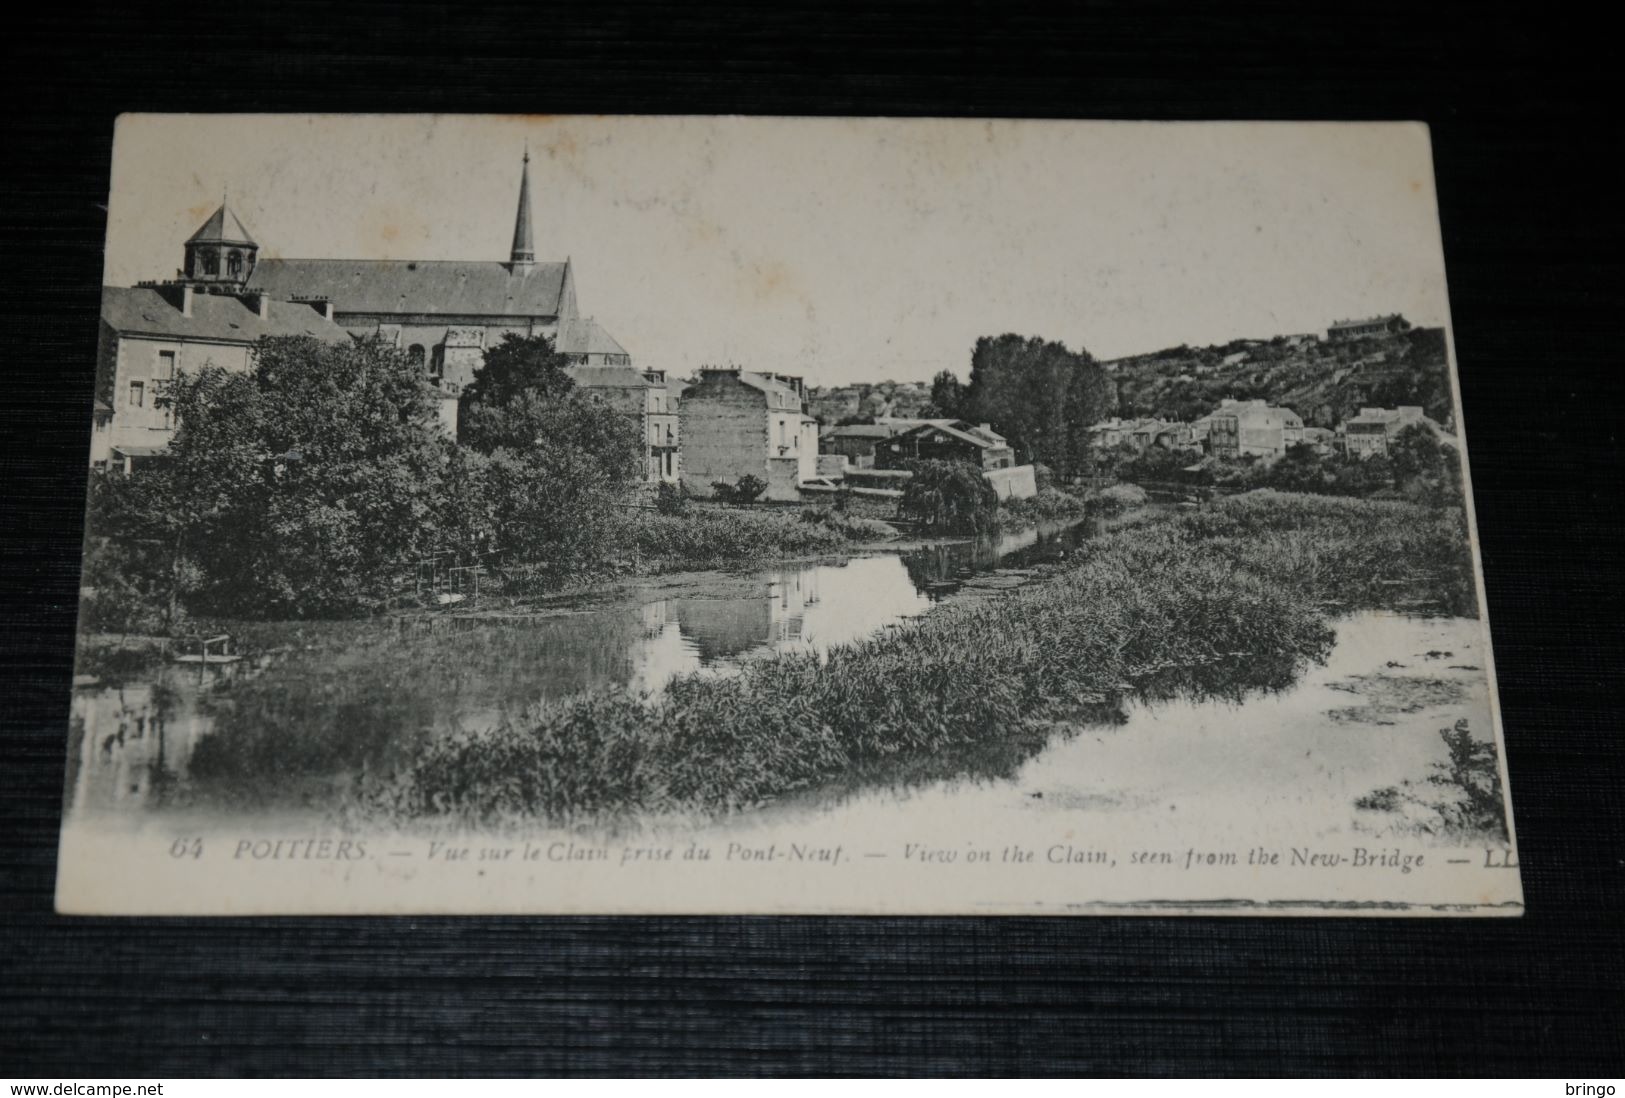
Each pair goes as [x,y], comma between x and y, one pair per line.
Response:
[547,458]
[517,364]
[1425,468]
[950,497]
[947,396]
[298,488]
[1041,396]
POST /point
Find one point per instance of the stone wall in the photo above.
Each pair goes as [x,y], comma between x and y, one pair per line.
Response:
[1018,482]
[723,425]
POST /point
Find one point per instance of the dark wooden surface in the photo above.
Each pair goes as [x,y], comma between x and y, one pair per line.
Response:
[1525,128]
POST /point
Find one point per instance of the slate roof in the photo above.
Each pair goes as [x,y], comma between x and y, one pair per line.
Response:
[217,318]
[787,397]
[608,377]
[584,336]
[223,227]
[430,287]
[963,431]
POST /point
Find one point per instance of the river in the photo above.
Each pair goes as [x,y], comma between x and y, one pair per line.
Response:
[171,741]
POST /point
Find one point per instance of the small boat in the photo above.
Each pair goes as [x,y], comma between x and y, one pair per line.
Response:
[205,650]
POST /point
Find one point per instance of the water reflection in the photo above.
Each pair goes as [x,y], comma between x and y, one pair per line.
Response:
[322,704]
[940,569]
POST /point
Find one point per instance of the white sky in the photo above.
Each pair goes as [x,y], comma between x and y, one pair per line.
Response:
[844,250]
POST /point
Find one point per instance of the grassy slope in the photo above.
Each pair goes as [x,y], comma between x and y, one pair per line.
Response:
[1325,384]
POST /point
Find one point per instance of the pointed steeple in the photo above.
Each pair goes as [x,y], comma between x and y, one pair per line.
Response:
[524,248]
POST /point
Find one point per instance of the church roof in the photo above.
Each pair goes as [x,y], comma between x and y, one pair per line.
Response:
[608,377]
[216,318]
[584,336]
[428,287]
[223,227]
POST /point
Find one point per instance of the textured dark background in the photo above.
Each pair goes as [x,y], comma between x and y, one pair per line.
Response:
[1524,126]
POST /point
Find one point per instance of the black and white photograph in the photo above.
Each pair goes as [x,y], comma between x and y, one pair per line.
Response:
[603,515]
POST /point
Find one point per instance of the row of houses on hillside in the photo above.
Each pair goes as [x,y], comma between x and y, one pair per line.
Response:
[1256,428]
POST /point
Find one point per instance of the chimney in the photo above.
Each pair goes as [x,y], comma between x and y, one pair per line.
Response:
[177,294]
[262,305]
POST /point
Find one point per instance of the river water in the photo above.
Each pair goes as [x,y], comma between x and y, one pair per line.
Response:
[286,731]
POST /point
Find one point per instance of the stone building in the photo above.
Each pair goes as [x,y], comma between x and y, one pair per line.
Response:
[151,334]
[1373,429]
[1241,428]
[1346,331]
[735,423]
[947,440]
[444,314]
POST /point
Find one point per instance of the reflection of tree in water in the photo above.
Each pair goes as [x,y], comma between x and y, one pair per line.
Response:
[360,700]
[938,570]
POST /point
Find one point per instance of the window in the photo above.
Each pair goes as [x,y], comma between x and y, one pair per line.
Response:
[437,363]
[234,264]
[138,394]
[419,358]
[211,262]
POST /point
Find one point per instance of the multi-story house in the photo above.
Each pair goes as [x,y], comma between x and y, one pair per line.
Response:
[736,423]
[1373,429]
[151,334]
[1242,428]
[1346,331]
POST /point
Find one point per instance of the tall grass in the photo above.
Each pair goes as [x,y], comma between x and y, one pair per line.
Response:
[1229,599]
[707,536]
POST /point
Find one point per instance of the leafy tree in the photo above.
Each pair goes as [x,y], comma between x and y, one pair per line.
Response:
[546,459]
[518,364]
[1041,396]
[949,496]
[947,397]
[1425,468]
[297,488]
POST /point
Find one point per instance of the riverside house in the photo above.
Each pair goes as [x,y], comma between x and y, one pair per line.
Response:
[736,423]
[947,440]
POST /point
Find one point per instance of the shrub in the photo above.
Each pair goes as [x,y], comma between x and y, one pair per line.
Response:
[950,497]
[671,499]
[1118,498]
[745,490]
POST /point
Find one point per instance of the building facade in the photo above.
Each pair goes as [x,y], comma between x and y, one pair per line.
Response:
[1370,432]
[736,423]
[1346,331]
[1252,428]
[947,440]
[445,314]
[152,334]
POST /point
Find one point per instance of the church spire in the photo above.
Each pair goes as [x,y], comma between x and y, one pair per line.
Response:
[524,248]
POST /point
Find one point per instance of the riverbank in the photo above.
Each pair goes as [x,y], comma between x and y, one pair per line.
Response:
[1232,598]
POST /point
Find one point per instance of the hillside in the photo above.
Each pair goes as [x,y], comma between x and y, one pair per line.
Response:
[1325,383]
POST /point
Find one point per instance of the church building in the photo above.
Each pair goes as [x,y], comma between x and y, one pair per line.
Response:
[442,313]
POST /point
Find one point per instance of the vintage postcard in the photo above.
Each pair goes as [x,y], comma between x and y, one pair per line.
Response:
[773,515]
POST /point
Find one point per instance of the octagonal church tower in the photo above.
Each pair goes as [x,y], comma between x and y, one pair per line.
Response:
[221,250]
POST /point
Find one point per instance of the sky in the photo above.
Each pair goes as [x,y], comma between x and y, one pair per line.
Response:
[844,250]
